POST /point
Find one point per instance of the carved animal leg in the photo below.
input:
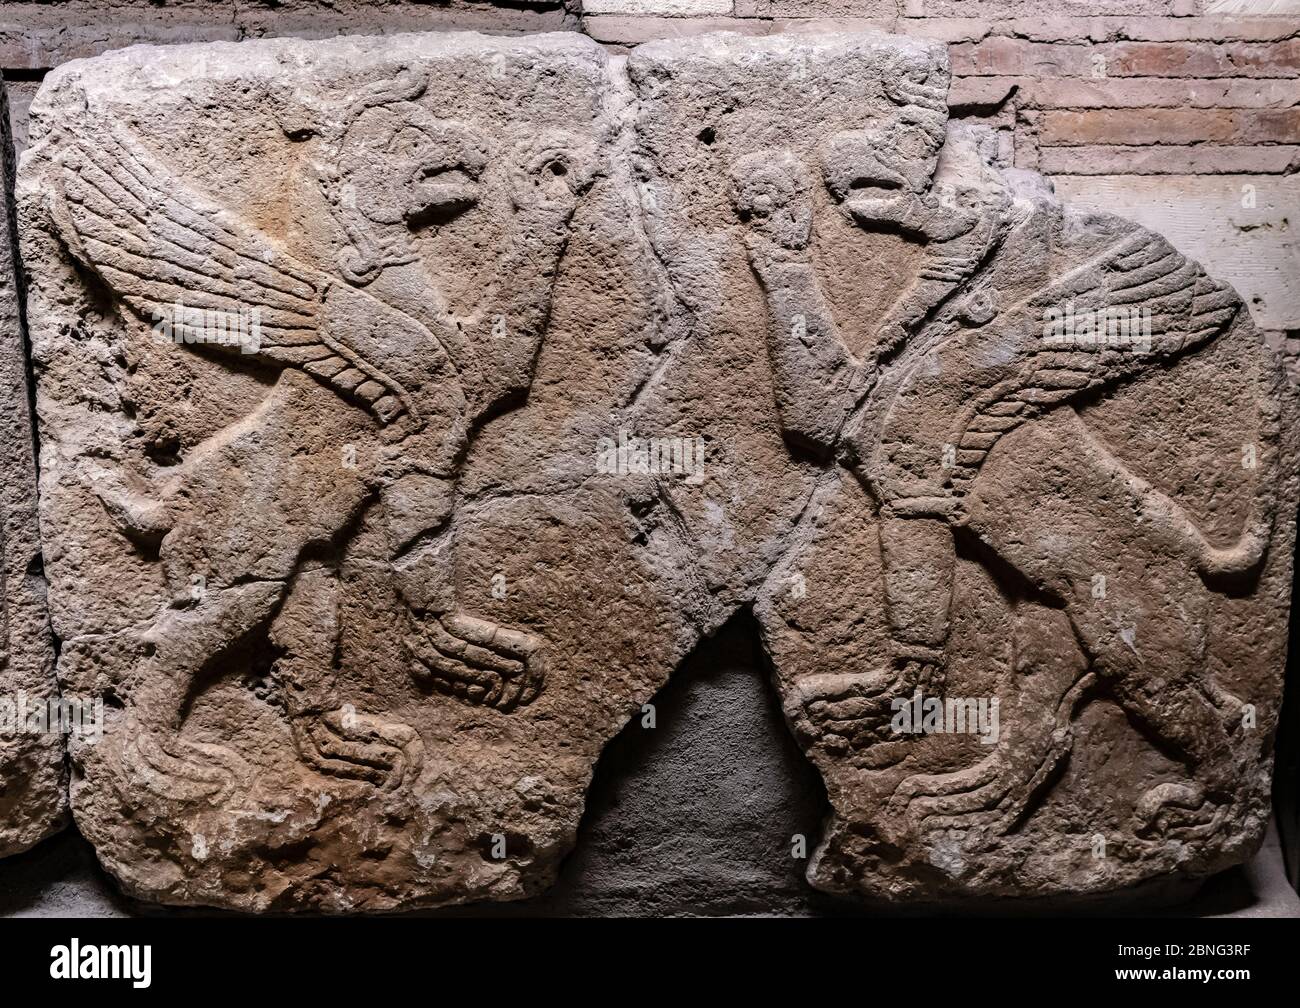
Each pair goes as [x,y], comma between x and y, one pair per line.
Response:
[994,793]
[1130,596]
[478,661]
[919,556]
[851,714]
[181,645]
[1156,680]
[333,738]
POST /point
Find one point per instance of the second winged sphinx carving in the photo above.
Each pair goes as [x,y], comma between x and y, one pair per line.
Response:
[966,357]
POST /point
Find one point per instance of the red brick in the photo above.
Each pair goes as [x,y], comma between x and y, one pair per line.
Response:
[1152,92]
[628,30]
[1149,29]
[1197,159]
[872,9]
[1203,59]
[1001,56]
[981,90]
[1134,126]
[660,8]
[946,29]
[1064,8]
[794,26]
[1169,126]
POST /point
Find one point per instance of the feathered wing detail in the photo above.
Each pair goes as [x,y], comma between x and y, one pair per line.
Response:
[157,243]
[1157,303]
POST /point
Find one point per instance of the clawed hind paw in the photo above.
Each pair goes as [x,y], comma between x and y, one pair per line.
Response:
[178,769]
[478,661]
[353,746]
[1178,811]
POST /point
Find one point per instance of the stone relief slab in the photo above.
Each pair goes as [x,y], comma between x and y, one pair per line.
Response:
[411,407]
[362,617]
[33,801]
[1018,624]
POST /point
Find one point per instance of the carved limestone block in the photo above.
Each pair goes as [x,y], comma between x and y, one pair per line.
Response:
[33,794]
[1030,619]
[411,407]
[327,336]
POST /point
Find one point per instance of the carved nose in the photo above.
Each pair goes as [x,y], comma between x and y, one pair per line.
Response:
[851,166]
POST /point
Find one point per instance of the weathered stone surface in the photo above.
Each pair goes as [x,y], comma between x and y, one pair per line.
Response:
[40,35]
[368,591]
[33,801]
[1095,533]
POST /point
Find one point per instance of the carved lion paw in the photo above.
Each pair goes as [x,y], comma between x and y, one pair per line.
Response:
[354,746]
[478,661]
[177,769]
[850,715]
[1178,811]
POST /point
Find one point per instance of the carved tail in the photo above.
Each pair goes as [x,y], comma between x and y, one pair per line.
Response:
[1163,513]
[1248,551]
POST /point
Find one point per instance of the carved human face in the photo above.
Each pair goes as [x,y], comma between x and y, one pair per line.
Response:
[875,173]
[770,192]
[870,171]
[405,166]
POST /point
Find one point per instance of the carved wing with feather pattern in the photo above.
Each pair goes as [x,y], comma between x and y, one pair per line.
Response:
[157,242]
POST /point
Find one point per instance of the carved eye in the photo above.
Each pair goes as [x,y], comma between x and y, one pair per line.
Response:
[979,308]
[551,162]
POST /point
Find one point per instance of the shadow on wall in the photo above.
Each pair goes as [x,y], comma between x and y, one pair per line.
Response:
[698,814]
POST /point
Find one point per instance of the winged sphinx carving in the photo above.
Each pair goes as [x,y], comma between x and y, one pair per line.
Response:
[915,418]
[373,328]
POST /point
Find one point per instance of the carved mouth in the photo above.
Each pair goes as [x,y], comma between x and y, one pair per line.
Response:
[875,196]
[878,181]
[437,192]
[869,189]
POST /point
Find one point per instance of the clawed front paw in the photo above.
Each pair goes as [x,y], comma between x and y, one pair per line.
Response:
[478,661]
[866,717]
[852,715]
